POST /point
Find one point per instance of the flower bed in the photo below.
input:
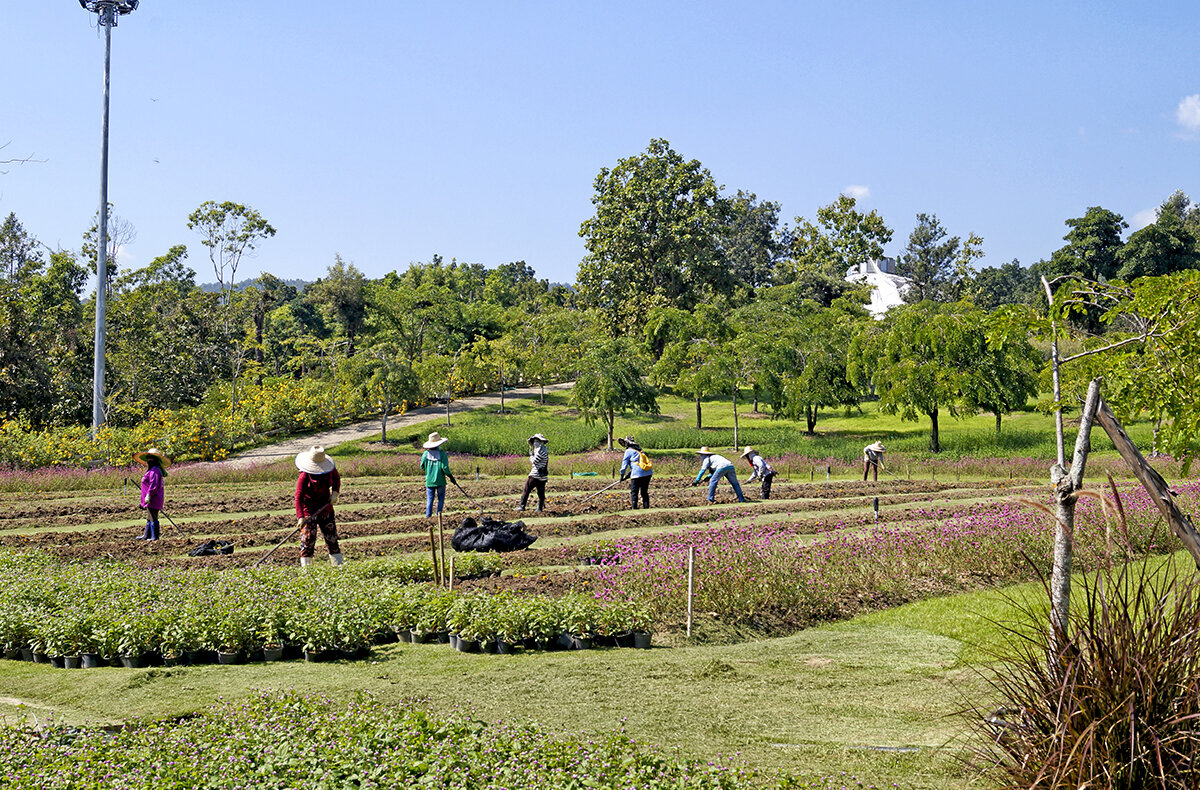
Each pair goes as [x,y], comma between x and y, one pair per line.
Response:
[113,613]
[750,573]
[286,740]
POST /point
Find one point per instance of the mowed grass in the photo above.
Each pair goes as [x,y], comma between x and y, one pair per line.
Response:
[875,696]
[840,433]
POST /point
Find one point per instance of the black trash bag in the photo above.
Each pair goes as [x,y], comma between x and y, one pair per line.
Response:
[211,548]
[490,535]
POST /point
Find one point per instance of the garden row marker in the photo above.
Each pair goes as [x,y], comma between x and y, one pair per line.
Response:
[476,474]
[450,581]
[876,508]
[691,586]
[828,470]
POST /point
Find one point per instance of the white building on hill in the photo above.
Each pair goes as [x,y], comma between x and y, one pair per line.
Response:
[888,284]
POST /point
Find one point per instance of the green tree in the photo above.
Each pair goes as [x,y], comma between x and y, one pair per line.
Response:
[842,239]
[694,359]
[655,237]
[938,266]
[229,231]
[913,359]
[1093,243]
[1170,244]
[1009,284]
[341,297]
[999,365]
[804,356]
[752,242]
[610,381]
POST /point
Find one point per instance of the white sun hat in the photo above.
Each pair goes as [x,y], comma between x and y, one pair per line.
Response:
[314,461]
[435,440]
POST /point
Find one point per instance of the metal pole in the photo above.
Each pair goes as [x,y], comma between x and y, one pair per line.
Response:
[107,20]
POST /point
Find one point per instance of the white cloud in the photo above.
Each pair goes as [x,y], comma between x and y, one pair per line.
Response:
[857,191]
[1188,113]
[1145,217]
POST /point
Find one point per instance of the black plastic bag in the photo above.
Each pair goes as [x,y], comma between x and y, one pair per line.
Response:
[211,548]
[491,535]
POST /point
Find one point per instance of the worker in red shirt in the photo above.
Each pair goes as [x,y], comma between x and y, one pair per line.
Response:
[316,492]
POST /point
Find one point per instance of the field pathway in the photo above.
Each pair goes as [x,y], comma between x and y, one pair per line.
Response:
[358,430]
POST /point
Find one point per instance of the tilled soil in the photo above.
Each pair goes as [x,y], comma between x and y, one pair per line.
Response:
[380,524]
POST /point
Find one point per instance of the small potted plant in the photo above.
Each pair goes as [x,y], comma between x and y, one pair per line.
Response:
[642,622]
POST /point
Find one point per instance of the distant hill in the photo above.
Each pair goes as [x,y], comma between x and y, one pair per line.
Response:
[244,284]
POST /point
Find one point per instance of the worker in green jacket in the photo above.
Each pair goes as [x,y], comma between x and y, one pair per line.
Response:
[435,463]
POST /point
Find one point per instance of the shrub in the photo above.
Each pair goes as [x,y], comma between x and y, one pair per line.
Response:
[1112,700]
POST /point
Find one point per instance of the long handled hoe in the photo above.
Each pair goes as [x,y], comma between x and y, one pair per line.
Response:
[287,537]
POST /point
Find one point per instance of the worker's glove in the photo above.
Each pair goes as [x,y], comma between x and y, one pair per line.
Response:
[452,478]
[333,497]
[300,522]
[695,483]
[625,477]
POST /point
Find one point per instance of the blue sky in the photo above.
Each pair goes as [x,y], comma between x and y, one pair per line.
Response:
[388,132]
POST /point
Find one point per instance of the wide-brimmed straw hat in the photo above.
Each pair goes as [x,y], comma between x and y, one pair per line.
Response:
[314,461]
[155,452]
[704,451]
[747,451]
[537,437]
[628,441]
[435,440]
[877,447]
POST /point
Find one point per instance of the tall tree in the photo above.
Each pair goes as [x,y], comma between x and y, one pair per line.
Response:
[913,359]
[341,296]
[752,242]
[822,253]
[1169,244]
[1093,242]
[610,381]
[937,265]
[1008,284]
[230,231]
[655,237]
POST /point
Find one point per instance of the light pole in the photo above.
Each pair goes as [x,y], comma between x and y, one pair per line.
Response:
[107,12]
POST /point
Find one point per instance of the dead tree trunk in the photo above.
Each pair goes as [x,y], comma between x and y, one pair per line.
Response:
[1066,483]
[1152,481]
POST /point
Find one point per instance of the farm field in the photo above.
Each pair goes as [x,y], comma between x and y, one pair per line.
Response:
[895,616]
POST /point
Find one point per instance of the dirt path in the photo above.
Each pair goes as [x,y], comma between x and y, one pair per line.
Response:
[358,430]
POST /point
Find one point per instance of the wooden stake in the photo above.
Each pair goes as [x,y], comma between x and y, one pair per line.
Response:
[451,579]
[437,572]
[691,586]
[442,544]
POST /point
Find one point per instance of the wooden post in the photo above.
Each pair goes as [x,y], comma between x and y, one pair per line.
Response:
[442,545]
[437,572]
[876,508]
[450,581]
[477,473]
[691,586]
[1152,481]
[812,474]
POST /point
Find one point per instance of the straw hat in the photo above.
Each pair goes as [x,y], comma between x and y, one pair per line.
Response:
[628,441]
[704,451]
[314,461]
[435,440]
[538,437]
[747,451]
[153,451]
[877,447]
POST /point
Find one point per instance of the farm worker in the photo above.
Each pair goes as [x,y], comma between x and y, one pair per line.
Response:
[717,466]
[872,458]
[316,493]
[636,467]
[761,470]
[539,471]
[436,466]
[153,490]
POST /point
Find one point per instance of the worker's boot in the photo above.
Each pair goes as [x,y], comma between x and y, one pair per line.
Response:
[145,532]
[305,562]
[336,559]
[154,530]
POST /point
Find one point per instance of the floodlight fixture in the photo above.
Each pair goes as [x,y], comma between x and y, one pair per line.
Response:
[107,11]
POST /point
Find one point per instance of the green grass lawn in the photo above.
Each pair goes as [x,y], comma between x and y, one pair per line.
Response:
[875,696]
[840,434]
